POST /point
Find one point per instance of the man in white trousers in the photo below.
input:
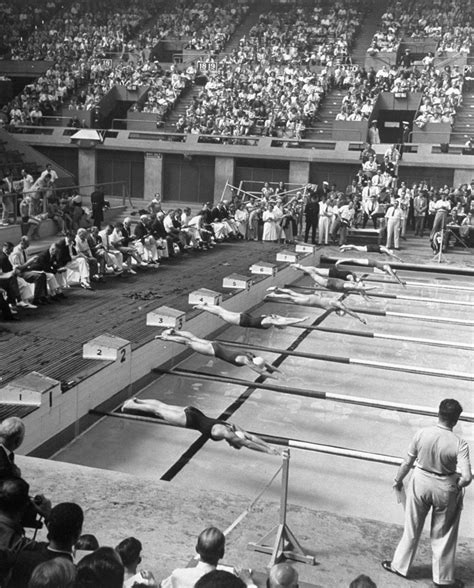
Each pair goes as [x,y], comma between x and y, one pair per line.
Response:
[442,471]
[393,217]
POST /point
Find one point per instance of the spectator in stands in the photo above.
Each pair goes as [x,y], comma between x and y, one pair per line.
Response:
[55,213]
[87,542]
[129,551]
[115,258]
[54,573]
[102,568]
[210,547]
[150,238]
[393,217]
[65,257]
[14,500]
[442,207]
[17,260]
[121,242]
[98,205]
[12,434]
[6,198]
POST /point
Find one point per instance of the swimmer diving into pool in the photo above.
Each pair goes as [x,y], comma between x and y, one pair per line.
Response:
[217,349]
[371,249]
[323,302]
[336,284]
[366,262]
[190,417]
[327,272]
[243,319]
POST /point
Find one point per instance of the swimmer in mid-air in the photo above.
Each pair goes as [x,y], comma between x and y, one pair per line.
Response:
[217,349]
[325,303]
[366,262]
[190,417]
[243,319]
[336,284]
[371,249]
[327,272]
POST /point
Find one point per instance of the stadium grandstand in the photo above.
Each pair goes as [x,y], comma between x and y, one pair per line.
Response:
[153,153]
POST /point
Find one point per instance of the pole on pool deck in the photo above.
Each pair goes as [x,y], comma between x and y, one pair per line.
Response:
[382,365]
[292,391]
[285,544]
[388,336]
[415,267]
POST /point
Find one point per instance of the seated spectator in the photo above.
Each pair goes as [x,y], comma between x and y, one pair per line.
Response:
[129,551]
[54,573]
[120,241]
[149,238]
[17,260]
[210,547]
[102,567]
[83,249]
[64,528]
[115,258]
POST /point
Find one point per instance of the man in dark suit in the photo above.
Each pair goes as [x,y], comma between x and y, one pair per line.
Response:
[311,212]
[97,204]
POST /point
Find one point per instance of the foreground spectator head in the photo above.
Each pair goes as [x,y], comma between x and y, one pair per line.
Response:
[87,542]
[219,579]
[55,573]
[282,575]
[101,568]
[65,524]
[211,545]
[362,581]
[14,496]
[12,433]
[449,411]
[129,550]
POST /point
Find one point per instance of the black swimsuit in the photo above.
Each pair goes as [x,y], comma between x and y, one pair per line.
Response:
[373,248]
[197,420]
[335,284]
[335,272]
[253,322]
[226,353]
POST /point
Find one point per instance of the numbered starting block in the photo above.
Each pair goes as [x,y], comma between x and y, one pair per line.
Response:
[287,256]
[107,348]
[166,317]
[305,248]
[263,268]
[205,296]
[237,282]
[30,389]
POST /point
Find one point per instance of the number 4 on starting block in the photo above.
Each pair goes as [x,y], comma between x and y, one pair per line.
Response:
[107,348]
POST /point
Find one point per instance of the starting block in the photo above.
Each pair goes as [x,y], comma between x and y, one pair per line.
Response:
[205,296]
[305,248]
[166,317]
[107,348]
[287,256]
[29,389]
[263,268]
[237,281]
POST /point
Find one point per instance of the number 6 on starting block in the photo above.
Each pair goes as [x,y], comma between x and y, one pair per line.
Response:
[107,348]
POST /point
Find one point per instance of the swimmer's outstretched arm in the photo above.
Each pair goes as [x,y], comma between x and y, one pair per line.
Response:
[391,272]
[226,315]
[184,337]
[390,252]
[338,305]
[313,272]
[261,366]
[243,438]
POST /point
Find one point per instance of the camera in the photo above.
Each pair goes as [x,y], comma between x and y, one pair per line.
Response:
[32,519]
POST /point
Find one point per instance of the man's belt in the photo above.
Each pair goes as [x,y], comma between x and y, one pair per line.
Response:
[436,473]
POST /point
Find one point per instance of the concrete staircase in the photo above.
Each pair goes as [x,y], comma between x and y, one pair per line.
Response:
[331,105]
[463,127]
[369,26]
[241,31]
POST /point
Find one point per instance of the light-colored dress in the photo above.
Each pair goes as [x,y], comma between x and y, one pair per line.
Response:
[270,230]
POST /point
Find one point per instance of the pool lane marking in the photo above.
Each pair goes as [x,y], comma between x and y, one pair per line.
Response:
[192,450]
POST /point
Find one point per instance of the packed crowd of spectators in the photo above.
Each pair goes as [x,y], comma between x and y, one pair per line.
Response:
[70,556]
[446,22]
[274,81]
